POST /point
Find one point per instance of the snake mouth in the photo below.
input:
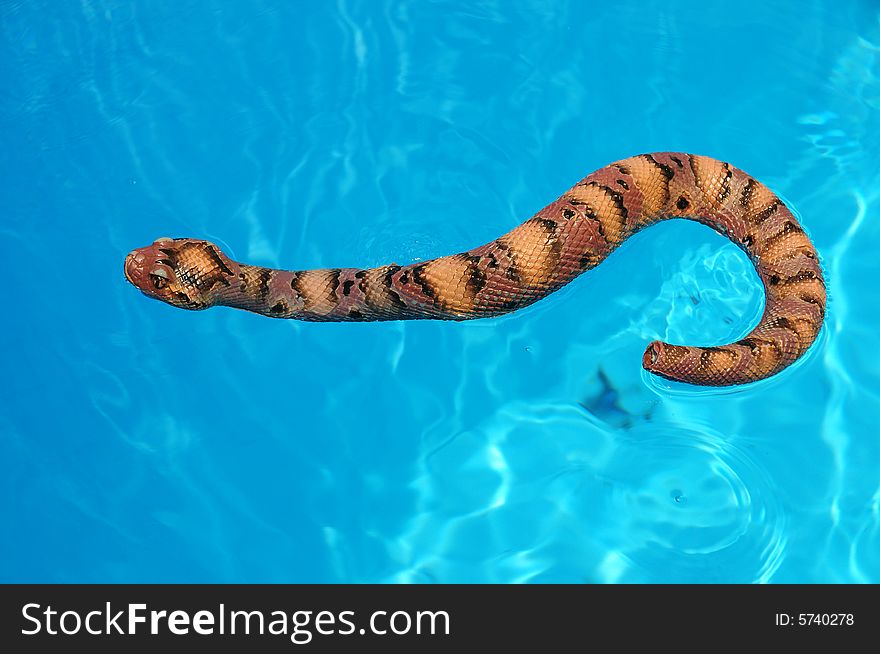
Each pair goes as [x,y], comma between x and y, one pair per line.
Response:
[652,354]
[129,261]
[133,268]
[125,268]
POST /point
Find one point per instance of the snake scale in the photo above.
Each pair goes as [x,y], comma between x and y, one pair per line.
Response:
[573,234]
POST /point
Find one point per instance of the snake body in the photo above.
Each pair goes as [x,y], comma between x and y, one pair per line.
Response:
[573,234]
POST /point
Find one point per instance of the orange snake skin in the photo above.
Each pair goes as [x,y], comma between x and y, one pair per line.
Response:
[564,239]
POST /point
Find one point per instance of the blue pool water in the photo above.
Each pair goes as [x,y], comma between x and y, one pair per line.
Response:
[144,443]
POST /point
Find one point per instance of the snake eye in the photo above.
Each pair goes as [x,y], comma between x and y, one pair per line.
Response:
[159,278]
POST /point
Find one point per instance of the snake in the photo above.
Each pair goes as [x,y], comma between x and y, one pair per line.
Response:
[564,239]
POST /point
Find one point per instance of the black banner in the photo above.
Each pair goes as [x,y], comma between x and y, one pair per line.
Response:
[431,618]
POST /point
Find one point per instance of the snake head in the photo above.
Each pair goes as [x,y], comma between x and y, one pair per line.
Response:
[183,272]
